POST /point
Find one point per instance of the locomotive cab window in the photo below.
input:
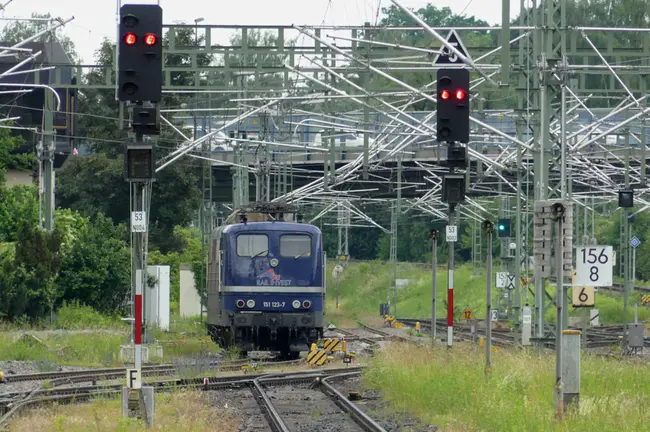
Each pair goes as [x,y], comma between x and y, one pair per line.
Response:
[295,246]
[252,245]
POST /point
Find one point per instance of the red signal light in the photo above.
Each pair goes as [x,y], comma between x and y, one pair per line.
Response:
[460,95]
[130,38]
[444,95]
[150,39]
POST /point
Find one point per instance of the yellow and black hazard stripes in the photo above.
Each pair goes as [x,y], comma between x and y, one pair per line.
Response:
[645,299]
[317,357]
[332,344]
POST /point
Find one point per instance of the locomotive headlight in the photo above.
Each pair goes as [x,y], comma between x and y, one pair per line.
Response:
[306,304]
[240,303]
[296,304]
[250,303]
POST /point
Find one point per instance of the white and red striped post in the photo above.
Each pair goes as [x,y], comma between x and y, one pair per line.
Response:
[450,284]
[137,337]
[139,265]
[450,307]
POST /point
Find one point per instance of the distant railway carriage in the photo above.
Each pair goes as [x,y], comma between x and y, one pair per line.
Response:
[266,287]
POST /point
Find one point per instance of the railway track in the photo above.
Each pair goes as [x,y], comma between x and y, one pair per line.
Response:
[597,337]
[69,377]
[82,394]
[299,399]
[87,375]
[365,334]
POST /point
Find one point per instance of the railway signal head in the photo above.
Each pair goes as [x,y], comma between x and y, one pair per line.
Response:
[139,75]
[453,105]
[503,227]
[488,226]
[626,198]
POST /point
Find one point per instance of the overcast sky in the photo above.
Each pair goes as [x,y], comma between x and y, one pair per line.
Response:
[96,19]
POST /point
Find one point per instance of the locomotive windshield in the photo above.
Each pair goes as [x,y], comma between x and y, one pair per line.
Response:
[252,245]
[295,245]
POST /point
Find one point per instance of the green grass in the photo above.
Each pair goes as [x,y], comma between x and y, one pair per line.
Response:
[97,349]
[449,389]
[101,348]
[70,316]
[78,317]
[363,286]
[176,411]
[187,336]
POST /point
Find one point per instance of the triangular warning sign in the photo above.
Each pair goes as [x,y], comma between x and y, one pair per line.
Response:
[445,58]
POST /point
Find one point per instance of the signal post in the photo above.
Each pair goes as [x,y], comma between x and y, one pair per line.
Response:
[453,128]
[139,85]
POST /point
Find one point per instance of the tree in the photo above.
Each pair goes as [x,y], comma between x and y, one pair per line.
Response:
[605,13]
[95,184]
[8,158]
[96,270]
[28,280]
[254,58]
[18,31]
[175,193]
[100,127]
[433,16]
[18,205]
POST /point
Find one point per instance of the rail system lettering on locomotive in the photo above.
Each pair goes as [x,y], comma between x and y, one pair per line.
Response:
[266,282]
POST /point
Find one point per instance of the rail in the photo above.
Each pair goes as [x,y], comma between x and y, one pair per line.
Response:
[81,394]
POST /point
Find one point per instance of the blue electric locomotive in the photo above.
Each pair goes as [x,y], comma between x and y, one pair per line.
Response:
[266,286]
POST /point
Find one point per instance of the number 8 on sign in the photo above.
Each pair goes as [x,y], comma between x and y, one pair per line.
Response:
[594,266]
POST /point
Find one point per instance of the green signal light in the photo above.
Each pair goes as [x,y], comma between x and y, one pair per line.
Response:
[502,227]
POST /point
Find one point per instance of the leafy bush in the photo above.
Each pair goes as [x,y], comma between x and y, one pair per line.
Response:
[27,279]
[96,270]
[18,205]
[75,316]
[83,260]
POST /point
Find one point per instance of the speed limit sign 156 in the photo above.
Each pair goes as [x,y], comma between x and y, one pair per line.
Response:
[594,266]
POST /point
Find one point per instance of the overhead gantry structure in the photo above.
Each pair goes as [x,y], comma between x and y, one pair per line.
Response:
[558,111]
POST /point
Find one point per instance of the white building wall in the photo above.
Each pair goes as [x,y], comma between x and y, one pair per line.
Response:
[189,299]
[156,298]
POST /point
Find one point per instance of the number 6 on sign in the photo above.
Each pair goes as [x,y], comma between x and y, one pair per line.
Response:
[594,266]
[583,297]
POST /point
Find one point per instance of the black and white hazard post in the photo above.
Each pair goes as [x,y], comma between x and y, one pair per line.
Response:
[488,227]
